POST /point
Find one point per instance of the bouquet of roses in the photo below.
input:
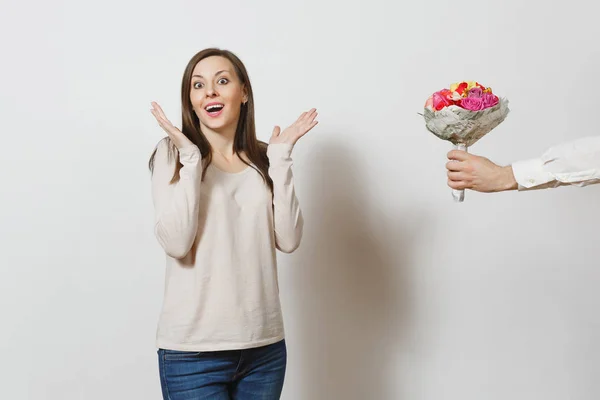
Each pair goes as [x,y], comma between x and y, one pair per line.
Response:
[464,114]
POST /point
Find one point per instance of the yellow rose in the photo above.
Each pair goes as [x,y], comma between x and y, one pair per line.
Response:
[460,88]
[471,84]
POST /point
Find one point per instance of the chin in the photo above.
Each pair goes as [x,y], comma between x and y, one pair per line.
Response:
[213,125]
[218,124]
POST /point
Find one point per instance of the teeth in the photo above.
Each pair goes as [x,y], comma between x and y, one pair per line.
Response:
[214,107]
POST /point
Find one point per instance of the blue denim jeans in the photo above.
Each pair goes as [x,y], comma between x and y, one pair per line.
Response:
[256,373]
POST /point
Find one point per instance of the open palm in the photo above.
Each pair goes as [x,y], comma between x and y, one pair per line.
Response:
[176,136]
[291,134]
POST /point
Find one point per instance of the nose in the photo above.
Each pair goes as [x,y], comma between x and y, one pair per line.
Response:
[210,91]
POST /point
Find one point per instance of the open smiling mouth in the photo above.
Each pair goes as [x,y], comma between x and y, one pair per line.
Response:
[215,109]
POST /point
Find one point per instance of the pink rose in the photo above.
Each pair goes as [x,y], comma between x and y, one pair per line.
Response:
[489,100]
[472,103]
[475,92]
[439,101]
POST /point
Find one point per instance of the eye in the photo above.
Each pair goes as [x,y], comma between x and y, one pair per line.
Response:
[198,85]
[223,81]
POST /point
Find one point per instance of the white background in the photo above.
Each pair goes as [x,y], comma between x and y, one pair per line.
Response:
[396,291]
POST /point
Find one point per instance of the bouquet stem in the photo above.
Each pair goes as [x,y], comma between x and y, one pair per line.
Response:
[459,195]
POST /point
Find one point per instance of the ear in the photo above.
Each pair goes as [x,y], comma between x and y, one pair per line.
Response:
[245,95]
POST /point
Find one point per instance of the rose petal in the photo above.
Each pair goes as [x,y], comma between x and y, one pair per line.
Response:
[475,92]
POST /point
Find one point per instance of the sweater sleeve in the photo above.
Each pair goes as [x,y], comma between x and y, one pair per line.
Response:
[176,204]
[288,218]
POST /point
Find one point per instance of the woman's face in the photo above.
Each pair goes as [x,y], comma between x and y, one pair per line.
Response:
[217,94]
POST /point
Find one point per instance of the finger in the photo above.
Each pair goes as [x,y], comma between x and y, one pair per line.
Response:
[161,121]
[456,176]
[276,131]
[301,117]
[458,185]
[159,110]
[310,114]
[165,125]
[307,123]
[306,129]
[159,118]
[155,114]
[458,155]
[155,106]
[456,166]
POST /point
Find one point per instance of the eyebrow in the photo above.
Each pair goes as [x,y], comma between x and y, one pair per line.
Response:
[217,74]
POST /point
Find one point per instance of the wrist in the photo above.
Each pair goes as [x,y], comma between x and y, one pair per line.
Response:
[508,182]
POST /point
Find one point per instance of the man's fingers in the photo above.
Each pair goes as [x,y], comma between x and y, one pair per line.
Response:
[457,176]
[458,155]
[455,166]
[458,185]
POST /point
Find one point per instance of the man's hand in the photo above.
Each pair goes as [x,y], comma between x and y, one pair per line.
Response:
[468,171]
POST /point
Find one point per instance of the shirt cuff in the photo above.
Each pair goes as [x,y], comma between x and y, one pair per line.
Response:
[279,151]
[530,173]
[189,154]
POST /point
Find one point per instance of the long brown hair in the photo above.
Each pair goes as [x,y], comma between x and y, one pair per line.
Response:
[245,134]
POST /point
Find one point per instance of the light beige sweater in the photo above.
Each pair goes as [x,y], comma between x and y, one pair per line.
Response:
[220,237]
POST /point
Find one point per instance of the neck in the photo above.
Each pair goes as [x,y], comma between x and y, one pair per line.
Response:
[222,140]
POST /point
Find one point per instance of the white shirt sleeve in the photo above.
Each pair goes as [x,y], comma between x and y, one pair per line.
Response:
[572,163]
[176,204]
[288,219]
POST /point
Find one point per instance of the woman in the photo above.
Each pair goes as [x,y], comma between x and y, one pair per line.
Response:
[224,203]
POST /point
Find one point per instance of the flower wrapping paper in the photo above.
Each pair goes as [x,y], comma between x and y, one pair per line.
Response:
[461,126]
